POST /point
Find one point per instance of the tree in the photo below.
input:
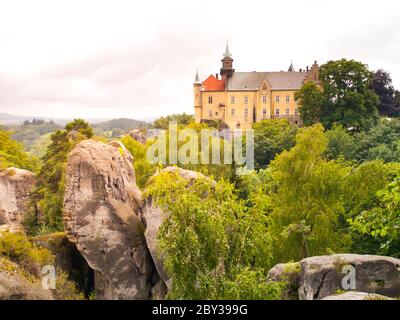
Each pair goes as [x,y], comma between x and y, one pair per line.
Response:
[48,193]
[340,143]
[12,154]
[383,87]
[182,119]
[382,221]
[214,247]
[271,137]
[345,96]
[306,202]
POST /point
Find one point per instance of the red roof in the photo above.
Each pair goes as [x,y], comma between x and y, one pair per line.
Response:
[213,84]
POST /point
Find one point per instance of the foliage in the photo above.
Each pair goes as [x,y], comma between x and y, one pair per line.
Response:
[49,190]
[19,249]
[340,143]
[383,87]
[307,202]
[12,154]
[65,288]
[215,247]
[181,119]
[271,137]
[143,169]
[345,96]
[382,221]
[380,142]
[117,127]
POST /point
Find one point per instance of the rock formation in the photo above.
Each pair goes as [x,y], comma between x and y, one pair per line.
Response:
[15,188]
[153,218]
[354,295]
[322,276]
[102,207]
[138,135]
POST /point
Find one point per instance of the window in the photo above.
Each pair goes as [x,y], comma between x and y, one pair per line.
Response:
[233,99]
[210,114]
[216,114]
[277,99]
[264,113]
[277,111]
[264,99]
[287,98]
[246,100]
[246,114]
[296,112]
[287,112]
[232,112]
[210,100]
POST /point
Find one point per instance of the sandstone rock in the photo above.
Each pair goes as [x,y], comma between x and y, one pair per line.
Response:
[354,295]
[322,276]
[153,218]
[15,286]
[101,216]
[15,188]
[290,273]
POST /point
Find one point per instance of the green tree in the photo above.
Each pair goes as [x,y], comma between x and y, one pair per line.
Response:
[383,87]
[214,247]
[271,137]
[12,154]
[307,201]
[345,96]
[182,119]
[49,191]
[340,143]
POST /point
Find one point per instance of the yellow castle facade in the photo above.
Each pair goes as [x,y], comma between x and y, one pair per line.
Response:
[240,99]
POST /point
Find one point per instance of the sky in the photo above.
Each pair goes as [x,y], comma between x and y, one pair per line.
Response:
[138,59]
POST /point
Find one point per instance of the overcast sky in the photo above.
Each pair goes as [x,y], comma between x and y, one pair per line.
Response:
[138,58]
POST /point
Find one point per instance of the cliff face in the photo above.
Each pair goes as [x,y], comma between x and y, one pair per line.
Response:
[15,188]
[102,207]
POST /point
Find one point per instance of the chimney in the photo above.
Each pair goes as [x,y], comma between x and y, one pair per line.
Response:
[300,70]
[216,75]
[308,69]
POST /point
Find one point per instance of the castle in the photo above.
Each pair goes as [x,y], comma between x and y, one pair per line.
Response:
[240,99]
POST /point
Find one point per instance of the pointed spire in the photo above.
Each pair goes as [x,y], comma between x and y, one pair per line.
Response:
[227,54]
[197,79]
[291,68]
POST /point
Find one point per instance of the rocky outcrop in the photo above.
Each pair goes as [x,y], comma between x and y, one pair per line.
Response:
[15,188]
[354,295]
[138,135]
[323,276]
[102,207]
[16,285]
[153,218]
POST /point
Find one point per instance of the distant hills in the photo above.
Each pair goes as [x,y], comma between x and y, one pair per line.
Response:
[11,119]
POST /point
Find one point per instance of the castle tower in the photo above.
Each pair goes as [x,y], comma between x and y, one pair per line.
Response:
[197,98]
[227,66]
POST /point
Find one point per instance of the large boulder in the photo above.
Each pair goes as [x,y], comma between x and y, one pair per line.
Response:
[322,276]
[101,216]
[354,295]
[153,218]
[15,189]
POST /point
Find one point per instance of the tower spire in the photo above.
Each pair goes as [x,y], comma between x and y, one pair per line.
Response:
[291,68]
[227,54]
[197,79]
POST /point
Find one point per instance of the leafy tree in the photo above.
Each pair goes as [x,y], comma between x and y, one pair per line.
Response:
[307,200]
[12,154]
[215,248]
[382,221]
[271,137]
[345,96]
[143,169]
[383,87]
[380,142]
[182,119]
[340,143]
[49,191]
